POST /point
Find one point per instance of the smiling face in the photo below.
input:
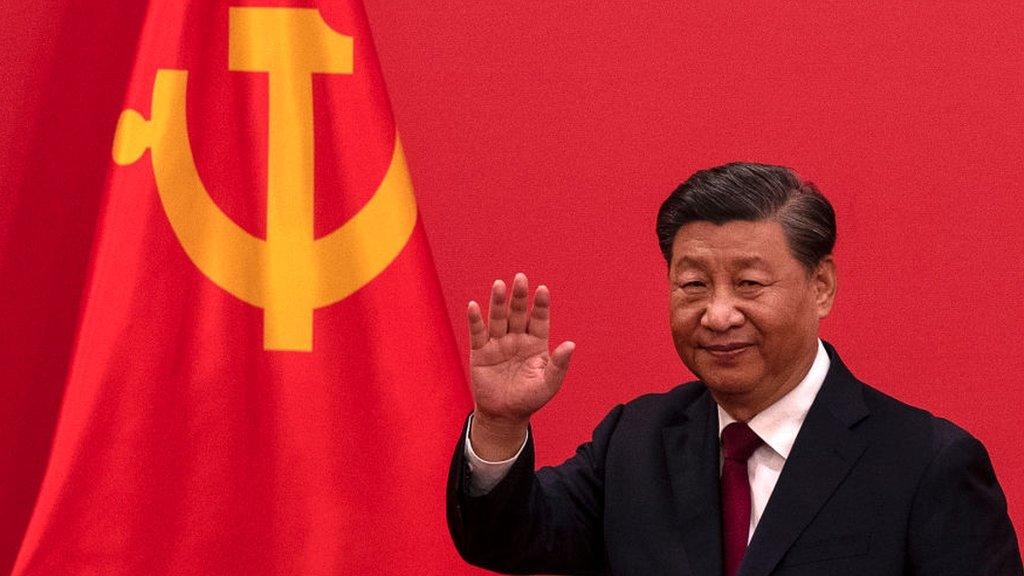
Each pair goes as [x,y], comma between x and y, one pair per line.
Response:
[744,311]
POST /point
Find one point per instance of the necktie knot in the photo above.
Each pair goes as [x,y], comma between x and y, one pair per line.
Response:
[739,442]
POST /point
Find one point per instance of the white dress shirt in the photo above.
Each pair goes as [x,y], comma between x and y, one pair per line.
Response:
[777,425]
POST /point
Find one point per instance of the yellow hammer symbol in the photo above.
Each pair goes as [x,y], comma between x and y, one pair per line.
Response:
[290,273]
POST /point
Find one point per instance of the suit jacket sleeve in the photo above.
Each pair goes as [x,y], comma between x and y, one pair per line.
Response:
[546,521]
[959,523]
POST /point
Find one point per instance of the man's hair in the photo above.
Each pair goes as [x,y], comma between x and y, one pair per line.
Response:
[753,192]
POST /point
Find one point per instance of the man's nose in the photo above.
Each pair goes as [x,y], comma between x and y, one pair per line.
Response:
[721,313]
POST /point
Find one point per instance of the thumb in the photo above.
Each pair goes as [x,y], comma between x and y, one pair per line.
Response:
[556,368]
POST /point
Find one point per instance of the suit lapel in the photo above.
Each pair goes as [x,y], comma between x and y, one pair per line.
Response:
[691,452]
[825,451]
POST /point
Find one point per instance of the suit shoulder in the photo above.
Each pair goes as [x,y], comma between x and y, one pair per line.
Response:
[661,407]
[933,432]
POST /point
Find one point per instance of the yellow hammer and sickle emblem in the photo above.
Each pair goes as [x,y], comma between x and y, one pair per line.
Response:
[291,273]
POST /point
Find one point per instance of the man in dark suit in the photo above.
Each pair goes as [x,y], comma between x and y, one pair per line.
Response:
[777,461]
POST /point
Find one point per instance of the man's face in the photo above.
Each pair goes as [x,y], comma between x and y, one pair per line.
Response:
[744,311]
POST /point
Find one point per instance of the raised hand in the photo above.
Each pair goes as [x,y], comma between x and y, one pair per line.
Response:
[512,373]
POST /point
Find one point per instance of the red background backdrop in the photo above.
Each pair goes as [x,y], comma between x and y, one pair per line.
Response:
[542,137]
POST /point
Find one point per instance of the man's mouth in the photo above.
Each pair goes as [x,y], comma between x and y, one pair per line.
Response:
[726,350]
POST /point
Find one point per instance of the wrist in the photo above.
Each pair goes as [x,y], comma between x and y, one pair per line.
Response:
[497,439]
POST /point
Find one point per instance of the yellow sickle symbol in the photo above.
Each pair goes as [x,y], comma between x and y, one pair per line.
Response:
[290,273]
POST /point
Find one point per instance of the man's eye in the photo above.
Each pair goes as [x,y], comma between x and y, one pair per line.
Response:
[693,284]
[750,284]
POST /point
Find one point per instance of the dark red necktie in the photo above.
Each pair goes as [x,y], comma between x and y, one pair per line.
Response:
[738,443]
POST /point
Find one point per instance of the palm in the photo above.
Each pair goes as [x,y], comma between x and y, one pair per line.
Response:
[512,373]
[508,374]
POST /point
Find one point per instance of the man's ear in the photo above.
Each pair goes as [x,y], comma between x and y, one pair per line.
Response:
[825,285]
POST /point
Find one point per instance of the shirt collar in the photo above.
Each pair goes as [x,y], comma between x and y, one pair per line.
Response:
[779,423]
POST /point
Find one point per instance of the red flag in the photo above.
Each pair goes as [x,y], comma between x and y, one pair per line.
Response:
[262,378]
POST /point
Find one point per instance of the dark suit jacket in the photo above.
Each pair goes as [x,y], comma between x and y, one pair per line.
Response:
[871,487]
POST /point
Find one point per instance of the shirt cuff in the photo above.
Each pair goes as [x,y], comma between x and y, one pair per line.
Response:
[485,475]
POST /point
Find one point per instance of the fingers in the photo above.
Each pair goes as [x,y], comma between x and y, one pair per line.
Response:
[517,318]
[555,370]
[497,311]
[540,317]
[477,329]
[511,315]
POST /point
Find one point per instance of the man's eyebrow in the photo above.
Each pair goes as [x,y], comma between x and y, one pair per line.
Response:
[690,261]
[751,262]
